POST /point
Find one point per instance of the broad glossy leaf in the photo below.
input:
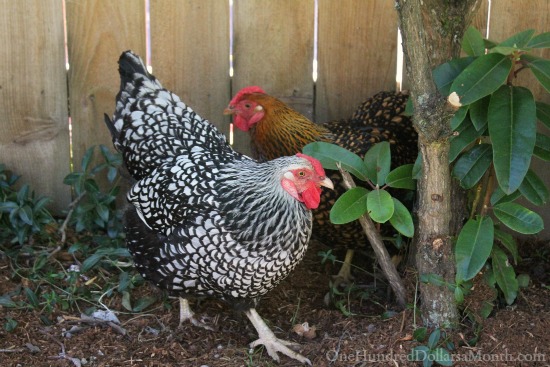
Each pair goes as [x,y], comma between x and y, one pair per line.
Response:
[380,206]
[472,165]
[500,196]
[459,116]
[330,154]
[378,162]
[540,41]
[472,42]
[534,189]
[478,113]
[401,177]
[482,77]
[467,134]
[401,219]
[512,127]
[459,295]
[518,218]
[505,275]
[508,241]
[350,206]
[473,247]
[518,41]
[542,147]
[541,70]
[543,113]
[445,74]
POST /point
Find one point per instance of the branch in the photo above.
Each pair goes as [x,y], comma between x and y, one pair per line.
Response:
[72,206]
[378,246]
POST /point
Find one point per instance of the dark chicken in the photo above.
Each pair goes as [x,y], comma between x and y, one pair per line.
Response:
[277,130]
[206,220]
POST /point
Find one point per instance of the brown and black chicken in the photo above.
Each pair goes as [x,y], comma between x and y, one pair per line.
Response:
[277,130]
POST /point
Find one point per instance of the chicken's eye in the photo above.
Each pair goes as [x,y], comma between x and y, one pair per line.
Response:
[247,105]
[301,173]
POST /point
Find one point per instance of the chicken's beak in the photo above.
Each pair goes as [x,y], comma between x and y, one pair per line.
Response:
[326,182]
[230,110]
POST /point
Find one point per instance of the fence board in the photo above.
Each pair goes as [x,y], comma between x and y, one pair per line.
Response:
[33,96]
[98,32]
[505,21]
[273,48]
[190,54]
[357,54]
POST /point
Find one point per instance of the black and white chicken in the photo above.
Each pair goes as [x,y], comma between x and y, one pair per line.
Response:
[207,220]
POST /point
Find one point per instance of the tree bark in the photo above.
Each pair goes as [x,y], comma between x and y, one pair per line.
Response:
[431,32]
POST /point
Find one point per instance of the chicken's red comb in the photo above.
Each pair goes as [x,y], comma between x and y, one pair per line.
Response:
[246,90]
[314,162]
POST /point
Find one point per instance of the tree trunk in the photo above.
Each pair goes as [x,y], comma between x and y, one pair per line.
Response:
[431,32]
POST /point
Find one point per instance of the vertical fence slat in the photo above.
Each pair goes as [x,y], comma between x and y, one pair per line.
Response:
[273,49]
[34,142]
[190,54]
[357,54]
[508,18]
[98,32]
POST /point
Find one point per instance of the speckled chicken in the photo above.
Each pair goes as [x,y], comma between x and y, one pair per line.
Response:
[277,130]
[206,220]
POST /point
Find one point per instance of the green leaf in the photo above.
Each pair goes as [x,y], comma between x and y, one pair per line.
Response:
[10,324]
[540,41]
[434,338]
[519,40]
[472,165]
[541,70]
[401,219]
[508,241]
[87,158]
[434,279]
[543,113]
[142,303]
[482,77]
[6,301]
[458,117]
[126,300]
[330,154]
[459,295]
[417,168]
[401,177]
[350,206]
[473,247]
[518,218]
[446,73]
[380,206]
[103,212]
[523,280]
[378,162]
[442,357]
[542,147]
[534,189]
[420,334]
[32,298]
[419,353]
[500,196]
[90,262]
[25,213]
[478,113]
[465,135]
[472,42]
[512,127]
[505,275]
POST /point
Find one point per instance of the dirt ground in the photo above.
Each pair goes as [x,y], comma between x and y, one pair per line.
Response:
[517,335]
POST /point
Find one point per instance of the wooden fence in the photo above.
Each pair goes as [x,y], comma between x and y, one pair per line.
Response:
[273,46]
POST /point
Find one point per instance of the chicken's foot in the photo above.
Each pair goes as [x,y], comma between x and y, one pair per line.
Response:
[187,314]
[271,343]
